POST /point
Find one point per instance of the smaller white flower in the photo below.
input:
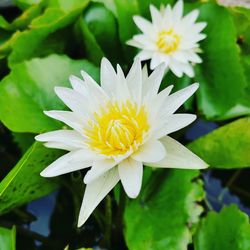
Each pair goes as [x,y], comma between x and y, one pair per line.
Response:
[116,128]
[170,38]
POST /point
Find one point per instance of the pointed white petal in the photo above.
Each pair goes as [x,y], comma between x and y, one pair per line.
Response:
[144,73]
[178,156]
[155,106]
[155,61]
[97,95]
[130,172]
[69,162]
[147,42]
[156,15]
[188,70]
[95,192]
[152,84]
[180,56]
[191,17]
[144,55]
[151,151]
[173,123]
[168,17]
[108,77]
[122,87]
[144,25]
[134,43]
[67,137]
[98,169]
[177,10]
[174,101]
[134,81]
[59,145]
[176,68]
[193,57]
[72,99]
[68,118]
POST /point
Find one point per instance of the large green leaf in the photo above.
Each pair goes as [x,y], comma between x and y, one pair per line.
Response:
[227,146]
[127,28]
[93,50]
[229,230]
[103,25]
[7,238]
[221,75]
[47,34]
[29,89]
[24,183]
[162,216]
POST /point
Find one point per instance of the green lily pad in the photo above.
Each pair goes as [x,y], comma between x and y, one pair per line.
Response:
[227,146]
[229,229]
[163,215]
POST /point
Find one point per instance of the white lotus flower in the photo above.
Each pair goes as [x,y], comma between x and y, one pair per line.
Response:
[170,39]
[117,128]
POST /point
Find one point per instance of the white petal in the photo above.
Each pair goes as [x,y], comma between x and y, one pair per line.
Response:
[177,10]
[98,169]
[173,123]
[130,172]
[168,17]
[59,145]
[151,151]
[178,156]
[108,77]
[188,70]
[67,163]
[198,27]
[144,25]
[122,87]
[174,101]
[152,84]
[96,93]
[156,15]
[134,43]
[155,61]
[155,106]
[180,56]
[147,42]
[72,99]
[191,17]
[144,73]
[144,55]
[67,137]
[134,81]
[67,117]
[95,192]
[193,57]
[176,68]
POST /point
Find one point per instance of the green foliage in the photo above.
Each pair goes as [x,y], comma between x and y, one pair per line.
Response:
[221,75]
[7,238]
[15,191]
[226,147]
[229,229]
[53,39]
[162,217]
[29,90]
[102,24]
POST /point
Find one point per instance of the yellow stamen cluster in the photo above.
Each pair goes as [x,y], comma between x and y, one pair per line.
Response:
[117,129]
[168,41]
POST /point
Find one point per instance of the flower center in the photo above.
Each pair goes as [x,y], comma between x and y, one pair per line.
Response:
[168,41]
[117,129]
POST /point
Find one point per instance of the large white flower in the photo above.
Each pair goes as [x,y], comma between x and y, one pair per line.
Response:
[170,39]
[117,128]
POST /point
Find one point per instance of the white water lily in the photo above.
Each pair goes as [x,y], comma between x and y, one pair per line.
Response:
[170,38]
[117,128]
